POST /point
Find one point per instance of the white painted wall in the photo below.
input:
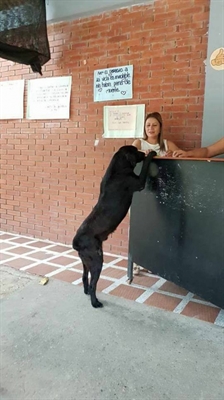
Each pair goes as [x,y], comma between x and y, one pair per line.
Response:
[213,120]
[60,10]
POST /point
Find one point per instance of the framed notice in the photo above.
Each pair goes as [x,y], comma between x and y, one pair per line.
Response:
[124,121]
[113,83]
[49,98]
[11,99]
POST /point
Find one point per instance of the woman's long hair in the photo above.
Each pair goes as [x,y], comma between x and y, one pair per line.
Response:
[158,117]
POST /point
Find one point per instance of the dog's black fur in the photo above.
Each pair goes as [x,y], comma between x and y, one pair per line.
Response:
[116,191]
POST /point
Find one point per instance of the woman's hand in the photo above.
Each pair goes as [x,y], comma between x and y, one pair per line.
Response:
[168,153]
[180,153]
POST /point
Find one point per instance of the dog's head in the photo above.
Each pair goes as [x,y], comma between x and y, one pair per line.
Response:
[131,154]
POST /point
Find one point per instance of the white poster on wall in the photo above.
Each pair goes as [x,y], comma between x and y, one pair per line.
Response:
[11,99]
[124,121]
[113,83]
[49,98]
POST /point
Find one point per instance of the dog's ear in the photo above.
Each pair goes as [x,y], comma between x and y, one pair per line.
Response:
[130,154]
[132,158]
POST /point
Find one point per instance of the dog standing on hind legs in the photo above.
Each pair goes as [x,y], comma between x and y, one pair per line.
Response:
[116,191]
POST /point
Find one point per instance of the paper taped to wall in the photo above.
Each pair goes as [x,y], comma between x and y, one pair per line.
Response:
[113,83]
[49,98]
[11,99]
[124,121]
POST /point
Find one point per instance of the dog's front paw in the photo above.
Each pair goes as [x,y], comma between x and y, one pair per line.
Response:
[97,304]
[86,290]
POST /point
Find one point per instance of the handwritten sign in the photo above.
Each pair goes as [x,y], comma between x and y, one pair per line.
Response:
[11,99]
[49,98]
[113,83]
[124,121]
[122,118]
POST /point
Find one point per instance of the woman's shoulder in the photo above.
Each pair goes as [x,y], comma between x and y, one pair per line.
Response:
[137,143]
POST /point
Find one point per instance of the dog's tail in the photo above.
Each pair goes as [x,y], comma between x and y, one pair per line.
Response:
[75,243]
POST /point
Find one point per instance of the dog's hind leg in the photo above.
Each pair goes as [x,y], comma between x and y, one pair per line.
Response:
[95,274]
[92,259]
[95,269]
[85,280]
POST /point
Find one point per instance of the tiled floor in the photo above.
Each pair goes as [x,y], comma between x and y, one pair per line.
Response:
[59,261]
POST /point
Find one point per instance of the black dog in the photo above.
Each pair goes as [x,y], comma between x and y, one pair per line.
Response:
[116,191]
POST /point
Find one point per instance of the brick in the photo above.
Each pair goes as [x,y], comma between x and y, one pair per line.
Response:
[51,170]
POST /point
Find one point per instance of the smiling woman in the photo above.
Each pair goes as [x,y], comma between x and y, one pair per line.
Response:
[153,137]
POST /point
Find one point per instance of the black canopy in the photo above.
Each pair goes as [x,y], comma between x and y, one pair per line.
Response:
[23,32]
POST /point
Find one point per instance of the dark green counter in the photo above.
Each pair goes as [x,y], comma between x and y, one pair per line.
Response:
[177,226]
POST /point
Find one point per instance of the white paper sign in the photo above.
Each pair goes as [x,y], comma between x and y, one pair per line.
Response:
[49,98]
[113,83]
[122,118]
[124,121]
[11,99]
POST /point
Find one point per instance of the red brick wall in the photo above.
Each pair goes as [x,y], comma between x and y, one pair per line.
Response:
[50,170]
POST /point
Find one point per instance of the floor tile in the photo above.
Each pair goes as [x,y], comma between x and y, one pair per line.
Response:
[18,263]
[122,263]
[39,244]
[162,301]
[62,260]
[172,288]
[67,276]
[19,250]
[41,255]
[65,257]
[107,259]
[127,292]
[113,273]
[4,257]
[101,284]
[21,240]
[6,236]
[201,311]
[73,253]
[41,269]
[4,246]
[144,280]
[77,266]
[60,249]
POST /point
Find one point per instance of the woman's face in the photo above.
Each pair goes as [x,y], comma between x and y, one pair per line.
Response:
[152,128]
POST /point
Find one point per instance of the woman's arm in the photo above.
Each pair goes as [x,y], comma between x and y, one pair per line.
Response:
[137,143]
[216,148]
[213,150]
[197,153]
[172,146]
